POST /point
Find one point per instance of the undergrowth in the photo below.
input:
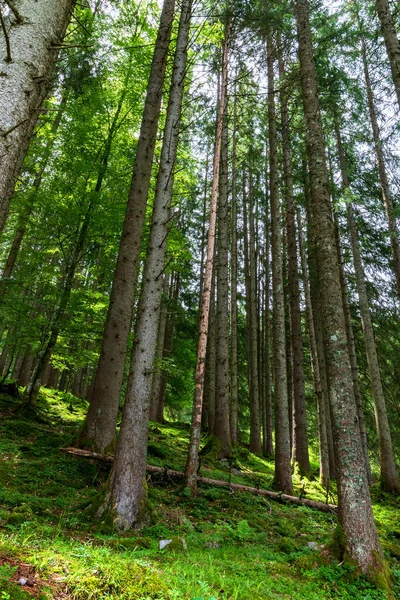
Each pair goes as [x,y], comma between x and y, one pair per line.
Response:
[238,546]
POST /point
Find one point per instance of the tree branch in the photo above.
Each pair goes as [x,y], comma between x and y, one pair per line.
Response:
[3,26]
[17,14]
[279,497]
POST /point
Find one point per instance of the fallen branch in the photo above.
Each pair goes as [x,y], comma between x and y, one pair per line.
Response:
[330,508]
[8,58]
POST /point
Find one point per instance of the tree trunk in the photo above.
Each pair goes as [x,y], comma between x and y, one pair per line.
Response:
[300,457]
[283,472]
[383,177]
[392,42]
[318,320]
[233,304]
[389,477]
[26,77]
[322,403]
[359,536]
[267,440]
[126,497]
[208,409]
[193,453]
[157,375]
[353,355]
[255,424]
[222,425]
[25,369]
[100,424]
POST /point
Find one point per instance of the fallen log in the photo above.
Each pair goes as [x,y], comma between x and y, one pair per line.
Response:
[277,496]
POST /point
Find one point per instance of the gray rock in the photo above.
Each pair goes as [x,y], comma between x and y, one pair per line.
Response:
[311,545]
[176,543]
[235,471]
[22,581]
[212,545]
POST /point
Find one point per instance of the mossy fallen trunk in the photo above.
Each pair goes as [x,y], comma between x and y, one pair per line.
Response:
[171,474]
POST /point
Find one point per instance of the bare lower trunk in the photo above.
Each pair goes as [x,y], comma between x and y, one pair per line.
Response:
[318,329]
[99,429]
[324,476]
[255,424]
[300,457]
[233,299]
[222,426]
[283,473]
[193,453]
[26,78]
[126,496]
[208,408]
[157,375]
[360,540]
[392,42]
[268,441]
[353,356]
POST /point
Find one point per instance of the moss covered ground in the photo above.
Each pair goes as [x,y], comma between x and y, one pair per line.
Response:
[239,546]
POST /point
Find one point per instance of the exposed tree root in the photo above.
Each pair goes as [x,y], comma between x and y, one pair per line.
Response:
[284,498]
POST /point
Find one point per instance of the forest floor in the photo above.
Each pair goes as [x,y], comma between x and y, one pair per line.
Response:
[237,546]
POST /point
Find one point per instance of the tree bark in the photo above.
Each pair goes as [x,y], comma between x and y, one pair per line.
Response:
[157,375]
[208,408]
[222,425]
[353,355]
[100,424]
[359,536]
[392,42]
[300,457]
[283,472]
[25,81]
[193,453]
[255,424]
[389,478]
[126,496]
[324,476]
[233,304]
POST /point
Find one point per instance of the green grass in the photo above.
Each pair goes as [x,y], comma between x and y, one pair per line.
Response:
[239,546]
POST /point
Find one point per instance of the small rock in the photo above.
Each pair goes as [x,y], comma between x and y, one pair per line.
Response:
[311,545]
[235,471]
[177,543]
[212,545]
[22,581]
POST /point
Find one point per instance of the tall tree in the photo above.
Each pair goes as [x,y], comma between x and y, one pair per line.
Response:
[300,457]
[195,431]
[126,496]
[100,424]
[360,540]
[221,424]
[30,41]
[322,401]
[283,472]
